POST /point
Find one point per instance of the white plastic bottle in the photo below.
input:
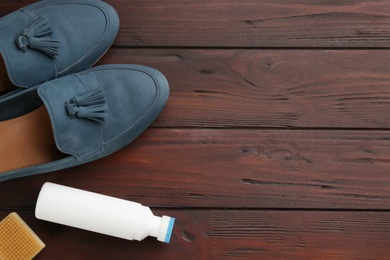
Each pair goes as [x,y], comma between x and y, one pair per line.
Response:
[101,214]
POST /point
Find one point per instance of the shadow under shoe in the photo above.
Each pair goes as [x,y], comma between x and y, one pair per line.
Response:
[5,83]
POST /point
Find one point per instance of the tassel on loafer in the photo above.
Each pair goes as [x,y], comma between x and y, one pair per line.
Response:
[53,38]
[78,118]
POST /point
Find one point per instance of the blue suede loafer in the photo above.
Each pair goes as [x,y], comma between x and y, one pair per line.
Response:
[53,38]
[77,118]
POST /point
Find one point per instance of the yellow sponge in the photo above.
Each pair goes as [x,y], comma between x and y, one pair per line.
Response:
[18,241]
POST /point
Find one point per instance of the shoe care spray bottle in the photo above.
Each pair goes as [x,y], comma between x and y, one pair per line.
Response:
[101,214]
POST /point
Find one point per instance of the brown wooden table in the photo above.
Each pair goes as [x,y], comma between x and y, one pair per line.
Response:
[275,143]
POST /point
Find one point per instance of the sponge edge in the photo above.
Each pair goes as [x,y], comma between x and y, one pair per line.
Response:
[166,229]
[18,241]
[169,230]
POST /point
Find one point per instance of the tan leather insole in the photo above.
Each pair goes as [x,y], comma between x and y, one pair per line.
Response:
[27,141]
[5,83]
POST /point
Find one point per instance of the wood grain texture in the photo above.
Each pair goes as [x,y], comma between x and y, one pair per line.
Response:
[274,144]
[270,88]
[234,169]
[211,234]
[249,23]
[281,23]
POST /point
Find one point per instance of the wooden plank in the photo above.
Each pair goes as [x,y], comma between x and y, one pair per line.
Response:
[233,169]
[248,23]
[281,23]
[270,88]
[209,234]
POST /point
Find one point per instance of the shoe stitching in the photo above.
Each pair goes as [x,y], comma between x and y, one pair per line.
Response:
[140,121]
[18,169]
[32,17]
[67,49]
[96,149]
[97,46]
[150,111]
[129,130]
[7,60]
[40,5]
[55,124]
[108,104]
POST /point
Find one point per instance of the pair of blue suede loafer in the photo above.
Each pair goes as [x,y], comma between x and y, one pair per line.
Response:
[56,111]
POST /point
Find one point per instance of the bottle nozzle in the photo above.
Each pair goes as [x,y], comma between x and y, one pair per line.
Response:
[166,229]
